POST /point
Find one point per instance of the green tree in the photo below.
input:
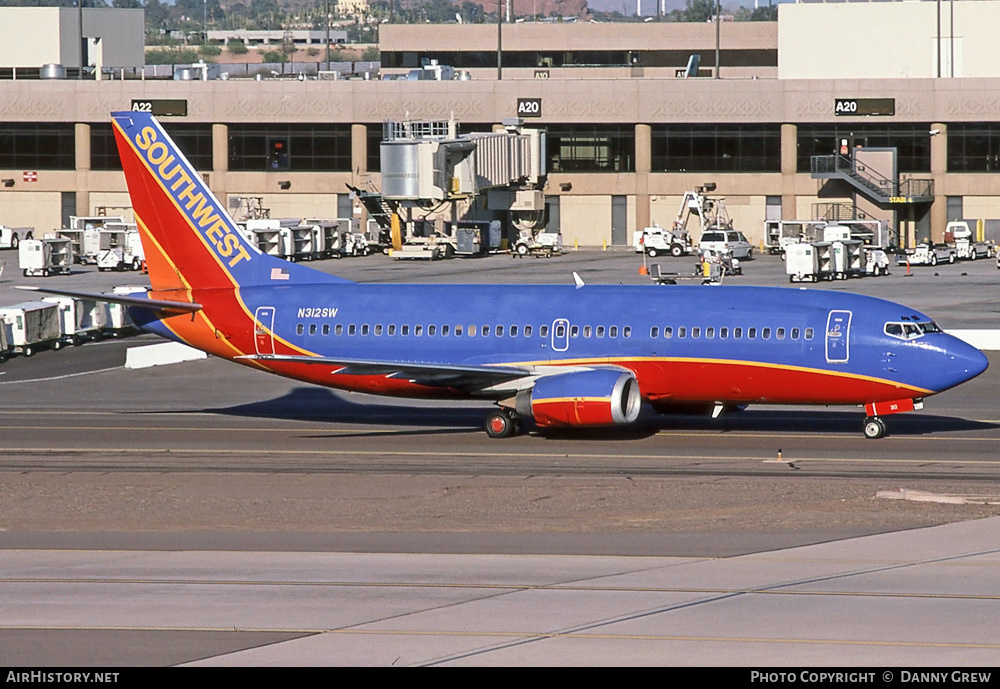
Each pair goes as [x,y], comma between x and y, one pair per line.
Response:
[765,14]
[699,10]
[274,56]
[237,47]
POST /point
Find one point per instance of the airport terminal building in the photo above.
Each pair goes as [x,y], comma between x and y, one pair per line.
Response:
[626,136]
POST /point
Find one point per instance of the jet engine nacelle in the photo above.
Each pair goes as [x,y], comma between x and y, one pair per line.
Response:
[582,398]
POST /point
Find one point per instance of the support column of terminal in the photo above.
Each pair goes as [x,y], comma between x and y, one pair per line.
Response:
[220,161]
[359,168]
[643,168]
[939,169]
[82,159]
[789,168]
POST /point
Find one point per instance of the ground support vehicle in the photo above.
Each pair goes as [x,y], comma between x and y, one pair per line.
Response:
[476,237]
[967,247]
[5,349]
[726,241]
[44,257]
[808,262]
[848,259]
[876,262]
[927,254]
[10,237]
[121,249]
[355,244]
[86,243]
[656,241]
[80,320]
[543,244]
[31,326]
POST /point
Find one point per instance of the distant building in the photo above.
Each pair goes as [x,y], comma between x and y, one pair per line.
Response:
[352,7]
[34,36]
[298,37]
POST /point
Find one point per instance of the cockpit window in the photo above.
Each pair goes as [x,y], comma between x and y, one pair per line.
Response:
[910,331]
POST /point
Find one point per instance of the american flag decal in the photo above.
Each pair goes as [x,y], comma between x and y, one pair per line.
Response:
[278,274]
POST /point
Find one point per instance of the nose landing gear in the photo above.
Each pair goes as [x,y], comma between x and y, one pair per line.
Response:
[874,428]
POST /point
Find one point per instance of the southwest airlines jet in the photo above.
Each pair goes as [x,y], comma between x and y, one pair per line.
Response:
[561,355]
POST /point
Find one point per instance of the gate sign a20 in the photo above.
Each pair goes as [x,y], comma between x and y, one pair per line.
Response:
[529,107]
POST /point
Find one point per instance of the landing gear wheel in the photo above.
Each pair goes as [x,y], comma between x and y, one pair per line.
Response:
[874,428]
[501,424]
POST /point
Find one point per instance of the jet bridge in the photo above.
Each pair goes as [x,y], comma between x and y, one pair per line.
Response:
[431,173]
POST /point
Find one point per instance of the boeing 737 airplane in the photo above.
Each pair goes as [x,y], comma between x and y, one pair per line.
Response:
[583,355]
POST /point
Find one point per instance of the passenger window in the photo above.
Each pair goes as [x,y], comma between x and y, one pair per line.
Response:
[485,331]
[574,331]
[780,333]
[752,333]
[600,331]
[378,330]
[668,332]
[737,333]
[300,329]
[627,331]
[766,333]
[458,331]
[527,331]
[809,333]
[723,333]
[364,329]
[709,333]
[560,330]
[352,329]
[682,332]
[313,328]
[499,331]
[613,331]
[543,331]
[418,330]
[695,333]
[391,330]
[326,328]
[472,330]
[654,333]
[586,331]
[513,331]
[404,330]
[795,333]
[339,330]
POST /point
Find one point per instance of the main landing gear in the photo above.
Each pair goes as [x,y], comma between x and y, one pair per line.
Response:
[874,428]
[502,423]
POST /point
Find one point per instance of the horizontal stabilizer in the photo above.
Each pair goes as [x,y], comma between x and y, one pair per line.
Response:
[440,375]
[157,305]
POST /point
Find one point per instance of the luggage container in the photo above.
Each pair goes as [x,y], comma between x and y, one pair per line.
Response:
[80,319]
[266,234]
[44,257]
[121,248]
[848,259]
[86,243]
[802,263]
[5,348]
[32,325]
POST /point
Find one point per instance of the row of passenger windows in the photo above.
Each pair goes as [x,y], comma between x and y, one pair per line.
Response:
[575,331]
[724,333]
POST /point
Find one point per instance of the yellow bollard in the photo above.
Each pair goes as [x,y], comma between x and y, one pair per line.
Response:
[576,245]
[605,243]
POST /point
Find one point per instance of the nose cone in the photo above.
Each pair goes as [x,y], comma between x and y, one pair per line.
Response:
[964,362]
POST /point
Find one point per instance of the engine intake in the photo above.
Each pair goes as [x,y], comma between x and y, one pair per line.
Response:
[582,398]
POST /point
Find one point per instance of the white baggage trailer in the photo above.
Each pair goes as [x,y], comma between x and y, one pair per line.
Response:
[32,325]
[5,348]
[121,248]
[86,243]
[80,319]
[44,257]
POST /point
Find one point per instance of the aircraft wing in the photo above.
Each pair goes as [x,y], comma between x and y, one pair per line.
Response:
[158,305]
[431,374]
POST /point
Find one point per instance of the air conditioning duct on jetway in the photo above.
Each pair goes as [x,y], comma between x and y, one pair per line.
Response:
[602,397]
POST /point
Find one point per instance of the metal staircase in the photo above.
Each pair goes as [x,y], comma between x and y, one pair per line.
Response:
[880,190]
